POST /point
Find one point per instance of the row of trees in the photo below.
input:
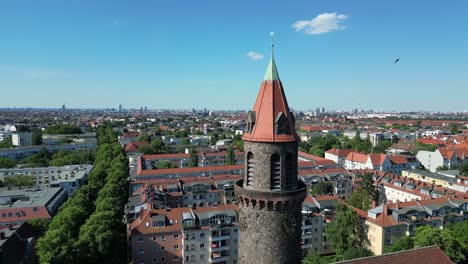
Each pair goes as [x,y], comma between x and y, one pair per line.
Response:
[62,129]
[60,158]
[89,227]
[318,145]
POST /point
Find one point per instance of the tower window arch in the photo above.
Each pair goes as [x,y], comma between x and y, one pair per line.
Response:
[281,124]
[289,167]
[250,169]
[275,172]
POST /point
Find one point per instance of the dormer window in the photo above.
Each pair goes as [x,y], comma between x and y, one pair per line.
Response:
[281,124]
[251,118]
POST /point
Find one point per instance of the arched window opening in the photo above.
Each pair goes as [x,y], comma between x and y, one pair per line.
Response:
[290,172]
[275,176]
[250,169]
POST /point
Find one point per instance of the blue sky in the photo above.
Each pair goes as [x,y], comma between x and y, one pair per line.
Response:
[194,54]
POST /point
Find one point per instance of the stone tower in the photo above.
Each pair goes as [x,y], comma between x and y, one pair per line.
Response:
[270,195]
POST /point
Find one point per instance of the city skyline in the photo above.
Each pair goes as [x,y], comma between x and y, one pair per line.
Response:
[167,55]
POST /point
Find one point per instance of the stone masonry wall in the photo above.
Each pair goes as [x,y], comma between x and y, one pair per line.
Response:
[262,153]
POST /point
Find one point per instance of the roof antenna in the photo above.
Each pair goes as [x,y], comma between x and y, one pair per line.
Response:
[272,34]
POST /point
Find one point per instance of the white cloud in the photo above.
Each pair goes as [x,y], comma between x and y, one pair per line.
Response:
[255,56]
[323,23]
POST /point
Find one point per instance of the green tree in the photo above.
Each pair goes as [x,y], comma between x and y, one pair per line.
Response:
[315,258]
[63,129]
[181,133]
[18,180]
[382,147]
[461,229]
[88,227]
[42,224]
[6,143]
[395,138]
[453,129]
[453,248]
[321,144]
[37,137]
[164,164]
[143,137]
[158,145]
[359,199]
[463,170]
[185,141]
[239,144]
[7,163]
[345,231]
[321,188]
[230,156]
[41,159]
[421,146]
[368,186]
[354,253]
[193,158]
[403,243]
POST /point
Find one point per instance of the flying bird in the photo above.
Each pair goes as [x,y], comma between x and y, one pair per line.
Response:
[397,60]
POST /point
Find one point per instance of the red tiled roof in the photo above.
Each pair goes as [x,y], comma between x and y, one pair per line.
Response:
[377,159]
[340,152]
[426,255]
[134,146]
[271,100]
[357,157]
[23,214]
[397,159]
[192,169]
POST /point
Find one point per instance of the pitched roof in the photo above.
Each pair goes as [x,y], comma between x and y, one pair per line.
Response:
[377,159]
[340,152]
[271,112]
[357,157]
[22,214]
[397,159]
[426,255]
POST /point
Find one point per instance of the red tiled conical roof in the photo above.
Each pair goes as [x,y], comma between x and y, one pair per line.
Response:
[273,121]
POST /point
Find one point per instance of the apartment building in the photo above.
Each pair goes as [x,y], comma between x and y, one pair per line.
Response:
[388,223]
[185,235]
[317,213]
[21,205]
[69,177]
[443,157]
[22,139]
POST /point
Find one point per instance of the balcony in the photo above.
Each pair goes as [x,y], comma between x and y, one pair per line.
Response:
[218,249]
[307,226]
[220,259]
[306,236]
[306,246]
[218,238]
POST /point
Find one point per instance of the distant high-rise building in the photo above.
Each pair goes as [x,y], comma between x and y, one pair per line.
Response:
[120,107]
[323,109]
[63,107]
[317,111]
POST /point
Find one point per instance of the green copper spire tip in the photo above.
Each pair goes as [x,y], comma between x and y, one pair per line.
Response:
[272,73]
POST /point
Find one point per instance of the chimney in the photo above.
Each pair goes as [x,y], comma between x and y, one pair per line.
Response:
[384,209]
[141,212]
